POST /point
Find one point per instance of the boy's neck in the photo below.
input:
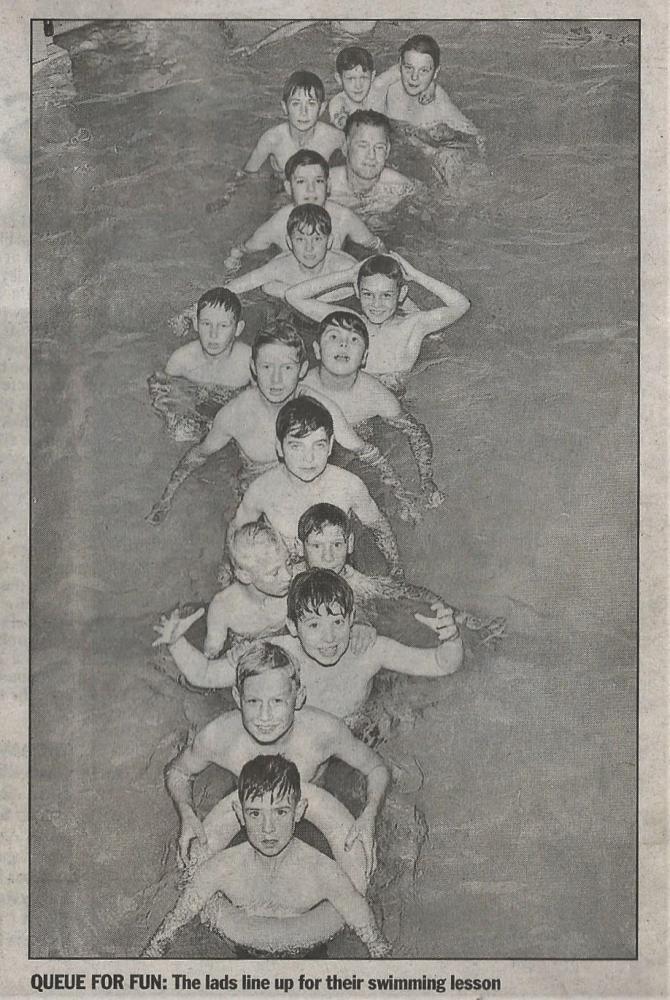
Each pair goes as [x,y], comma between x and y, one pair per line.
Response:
[209,360]
[268,405]
[295,483]
[360,185]
[300,138]
[339,383]
[259,598]
[312,272]
[266,866]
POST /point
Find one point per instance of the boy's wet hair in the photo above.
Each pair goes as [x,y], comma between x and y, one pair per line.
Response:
[315,589]
[309,219]
[305,158]
[353,56]
[220,298]
[302,416]
[269,774]
[345,321]
[319,516]
[246,543]
[260,658]
[424,44]
[284,334]
[381,263]
[304,80]
[374,118]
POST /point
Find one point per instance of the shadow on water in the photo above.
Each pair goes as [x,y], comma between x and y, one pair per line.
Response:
[514,798]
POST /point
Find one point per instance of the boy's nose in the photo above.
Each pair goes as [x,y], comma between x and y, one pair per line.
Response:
[268,823]
[275,377]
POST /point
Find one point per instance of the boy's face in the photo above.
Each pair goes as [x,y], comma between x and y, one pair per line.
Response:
[324,635]
[356,83]
[270,572]
[303,110]
[308,185]
[278,371]
[306,457]
[417,72]
[367,151]
[270,821]
[217,329]
[309,249]
[268,703]
[379,296]
[328,548]
[340,351]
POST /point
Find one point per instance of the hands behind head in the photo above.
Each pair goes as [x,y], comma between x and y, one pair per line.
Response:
[172,627]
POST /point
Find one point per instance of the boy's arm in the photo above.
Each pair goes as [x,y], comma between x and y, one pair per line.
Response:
[337,111]
[262,275]
[355,911]
[178,777]
[377,96]
[260,153]
[251,507]
[371,516]
[421,446]
[195,667]
[264,237]
[220,434]
[430,320]
[359,233]
[304,295]
[454,118]
[175,364]
[208,878]
[217,625]
[439,661]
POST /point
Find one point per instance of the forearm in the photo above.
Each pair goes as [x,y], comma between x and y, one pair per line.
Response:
[370,455]
[198,670]
[377,783]
[192,460]
[386,542]
[187,906]
[357,914]
[302,295]
[420,443]
[178,785]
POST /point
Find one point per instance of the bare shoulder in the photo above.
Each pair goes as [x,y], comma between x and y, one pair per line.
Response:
[338,260]
[183,358]
[275,135]
[215,738]
[241,352]
[394,177]
[378,394]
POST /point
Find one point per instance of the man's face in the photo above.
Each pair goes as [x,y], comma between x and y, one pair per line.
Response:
[270,821]
[308,185]
[270,572]
[309,249]
[306,457]
[324,635]
[303,110]
[268,703]
[327,549]
[367,151]
[217,329]
[356,83]
[341,352]
[278,372]
[417,72]
[379,296]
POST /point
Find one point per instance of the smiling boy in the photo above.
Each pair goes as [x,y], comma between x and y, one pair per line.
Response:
[303,102]
[273,874]
[394,339]
[304,441]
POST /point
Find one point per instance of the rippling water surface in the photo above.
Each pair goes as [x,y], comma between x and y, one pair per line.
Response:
[517,775]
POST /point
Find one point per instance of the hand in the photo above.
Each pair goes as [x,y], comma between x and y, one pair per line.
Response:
[408,510]
[434,497]
[211,649]
[158,513]
[443,623]
[404,264]
[397,572]
[232,263]
[192,841]
[172,627]
[236,652]
[363,829]
[362,637]
[381,948]
[428,95]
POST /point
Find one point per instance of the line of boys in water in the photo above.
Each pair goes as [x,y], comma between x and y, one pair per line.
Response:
[300,657]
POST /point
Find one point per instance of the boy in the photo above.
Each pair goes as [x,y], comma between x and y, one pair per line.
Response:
[409,92]
[217,360]
[309,241]
[273,874]
[278,363]
[304,441]
[395,340]
[307,183]
[354,71]
[320,610]
[303,102]
[365,183]
[271,700]
[341,348]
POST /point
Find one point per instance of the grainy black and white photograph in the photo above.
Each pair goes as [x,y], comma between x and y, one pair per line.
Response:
[334,415]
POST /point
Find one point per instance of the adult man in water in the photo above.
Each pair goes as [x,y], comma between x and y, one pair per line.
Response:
[365,183]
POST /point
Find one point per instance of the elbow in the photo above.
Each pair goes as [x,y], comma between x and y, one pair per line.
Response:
[464,305]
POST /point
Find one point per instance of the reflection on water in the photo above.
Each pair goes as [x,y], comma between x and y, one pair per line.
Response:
[531,403]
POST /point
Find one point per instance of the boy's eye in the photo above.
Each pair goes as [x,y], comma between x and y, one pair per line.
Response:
[254,813]
[282,812]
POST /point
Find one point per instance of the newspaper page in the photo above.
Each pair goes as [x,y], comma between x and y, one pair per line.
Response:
[337,666]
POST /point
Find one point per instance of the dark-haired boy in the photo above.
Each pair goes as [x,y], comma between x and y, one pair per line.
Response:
[307,183]
[278,363]
[341,348]
[381,282]
[309,242]
[216,367]
[273,874]
[365,183]
[272,715]
[304,441]
[303,101]
[354,71]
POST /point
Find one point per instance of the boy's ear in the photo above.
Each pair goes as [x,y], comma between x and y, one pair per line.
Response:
[323,108]
[300,698]
[284,108]
[329,244]
[252,369]
[372,77]
[331,443]
[291,627]
[287,187]
[237,809]
[350,543]
[339,80]
[289,243]
[237,697]
[240,328]
[364,359]
[304,368]
[242,576]
[403,293]
[263,519]
[316,347]
[279,449]
[300,810]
